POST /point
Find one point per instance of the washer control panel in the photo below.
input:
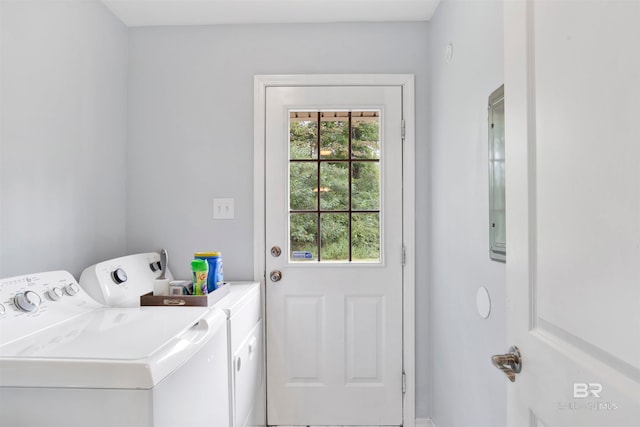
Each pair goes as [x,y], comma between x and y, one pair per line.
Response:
[36,301]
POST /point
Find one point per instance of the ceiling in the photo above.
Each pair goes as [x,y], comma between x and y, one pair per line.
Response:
[136,13]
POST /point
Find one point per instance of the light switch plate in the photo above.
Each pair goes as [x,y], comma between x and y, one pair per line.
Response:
[223,209]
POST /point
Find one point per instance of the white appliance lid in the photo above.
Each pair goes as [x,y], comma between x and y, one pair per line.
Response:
[239,294]
[109,348]
[115,333]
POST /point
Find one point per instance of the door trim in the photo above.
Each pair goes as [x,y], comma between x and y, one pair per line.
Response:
[406,81]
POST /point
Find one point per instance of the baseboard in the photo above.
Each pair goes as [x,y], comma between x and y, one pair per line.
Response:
[420,422]
[424,422]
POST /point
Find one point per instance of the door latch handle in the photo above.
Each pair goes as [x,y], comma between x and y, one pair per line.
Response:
[510,363]
[275,276]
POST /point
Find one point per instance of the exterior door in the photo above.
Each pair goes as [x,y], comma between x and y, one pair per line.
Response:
[572,91]
[334,276]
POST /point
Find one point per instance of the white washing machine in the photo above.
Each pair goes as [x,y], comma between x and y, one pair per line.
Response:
[66,360]
[243,310]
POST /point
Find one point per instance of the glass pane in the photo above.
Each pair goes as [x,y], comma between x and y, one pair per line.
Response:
[497,230]
[334,186]
[496,149]
[365,134]
[334,237]
[365,231]
[303,184]
[497,212]
[365,179]
[334,135]
[303,231]
[303,136]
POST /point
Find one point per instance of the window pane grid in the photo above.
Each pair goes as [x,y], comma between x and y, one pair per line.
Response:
[355,211]
[350,173]
[335,216]
[314,161]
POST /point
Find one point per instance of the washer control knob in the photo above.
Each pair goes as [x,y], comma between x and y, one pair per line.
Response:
[3,310]
[28,301]
[55,293]
[155,266]
[71,289]
[119,276]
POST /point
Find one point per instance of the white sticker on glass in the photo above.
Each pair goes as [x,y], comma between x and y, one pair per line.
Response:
[302,255]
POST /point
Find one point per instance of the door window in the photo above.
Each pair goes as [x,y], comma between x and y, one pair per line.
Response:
[334,186]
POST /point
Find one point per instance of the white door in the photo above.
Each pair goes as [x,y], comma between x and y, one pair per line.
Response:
[334,208]
[572,105]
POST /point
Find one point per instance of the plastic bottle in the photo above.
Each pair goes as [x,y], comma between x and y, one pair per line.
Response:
[200,269]
[216,272]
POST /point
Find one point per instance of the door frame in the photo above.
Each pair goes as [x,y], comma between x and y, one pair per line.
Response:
[406,81]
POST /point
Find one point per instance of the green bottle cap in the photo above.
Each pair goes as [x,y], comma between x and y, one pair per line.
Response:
[199,265]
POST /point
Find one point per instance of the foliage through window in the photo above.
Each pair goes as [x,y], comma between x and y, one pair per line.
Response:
[334,186]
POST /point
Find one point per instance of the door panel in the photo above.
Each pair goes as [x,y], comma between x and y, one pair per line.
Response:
[365,339]
[334,319]
[304,336]
[572,86]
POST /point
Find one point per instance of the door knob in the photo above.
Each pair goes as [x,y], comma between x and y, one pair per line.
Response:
[275,275]
[510,363]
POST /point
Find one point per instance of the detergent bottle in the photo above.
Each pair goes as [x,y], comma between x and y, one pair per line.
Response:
[200,269]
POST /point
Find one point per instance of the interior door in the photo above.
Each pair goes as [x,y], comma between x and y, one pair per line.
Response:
[334,255]
[572,91]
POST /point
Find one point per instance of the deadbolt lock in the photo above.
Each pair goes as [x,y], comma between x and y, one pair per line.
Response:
[276,251]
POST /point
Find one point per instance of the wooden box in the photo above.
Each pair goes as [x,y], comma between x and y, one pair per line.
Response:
[185,300]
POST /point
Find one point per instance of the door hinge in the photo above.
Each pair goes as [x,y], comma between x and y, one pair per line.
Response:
[404,256]
[403,129]
[404,382]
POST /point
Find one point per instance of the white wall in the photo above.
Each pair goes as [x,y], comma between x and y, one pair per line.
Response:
[72,179]
[467,390]
[191,132]
[63,134]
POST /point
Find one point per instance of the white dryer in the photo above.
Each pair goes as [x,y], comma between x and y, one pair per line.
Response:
[66,360]
[243,307]
[243,311]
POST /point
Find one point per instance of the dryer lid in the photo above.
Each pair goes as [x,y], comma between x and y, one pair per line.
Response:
[240,294]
